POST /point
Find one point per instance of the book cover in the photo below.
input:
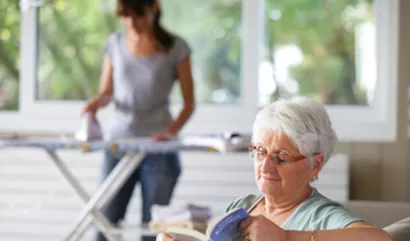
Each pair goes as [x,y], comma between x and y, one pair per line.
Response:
[227,228]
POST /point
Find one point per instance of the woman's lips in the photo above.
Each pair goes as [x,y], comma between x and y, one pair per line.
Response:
[270,179]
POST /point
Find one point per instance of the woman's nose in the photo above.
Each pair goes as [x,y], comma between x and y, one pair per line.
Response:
[268,164]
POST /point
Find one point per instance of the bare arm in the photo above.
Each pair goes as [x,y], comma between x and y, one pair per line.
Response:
[105,92]
[353,232]
[106,84]
[187,89]
[259,228]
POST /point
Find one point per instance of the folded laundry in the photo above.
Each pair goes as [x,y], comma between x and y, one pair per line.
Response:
[185,216]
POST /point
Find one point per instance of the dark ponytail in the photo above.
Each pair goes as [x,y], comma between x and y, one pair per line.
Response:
[164,38]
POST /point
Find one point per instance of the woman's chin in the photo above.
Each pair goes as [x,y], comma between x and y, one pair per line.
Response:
[268,185]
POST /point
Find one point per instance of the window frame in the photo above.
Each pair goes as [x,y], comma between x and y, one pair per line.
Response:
[351,123]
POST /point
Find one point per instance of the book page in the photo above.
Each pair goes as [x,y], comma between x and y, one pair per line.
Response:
[185,234]
[184,237]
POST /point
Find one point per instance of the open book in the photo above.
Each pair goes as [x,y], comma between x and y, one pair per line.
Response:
[225,228]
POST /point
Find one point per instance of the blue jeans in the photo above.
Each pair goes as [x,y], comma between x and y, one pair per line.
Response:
[158,175]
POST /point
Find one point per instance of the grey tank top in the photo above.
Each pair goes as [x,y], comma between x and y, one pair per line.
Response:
[142,87]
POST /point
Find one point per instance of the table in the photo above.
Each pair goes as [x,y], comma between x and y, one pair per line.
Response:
[135,150]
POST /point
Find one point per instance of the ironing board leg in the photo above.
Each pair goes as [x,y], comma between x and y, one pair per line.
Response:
[109,188]
[101,221]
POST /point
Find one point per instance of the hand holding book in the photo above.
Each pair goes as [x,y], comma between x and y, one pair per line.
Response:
[226,228]
[232,226]
[260,228]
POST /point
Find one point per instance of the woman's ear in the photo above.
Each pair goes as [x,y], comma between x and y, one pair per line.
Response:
[318,160]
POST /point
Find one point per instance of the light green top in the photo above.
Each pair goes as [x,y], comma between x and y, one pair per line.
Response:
[316,213]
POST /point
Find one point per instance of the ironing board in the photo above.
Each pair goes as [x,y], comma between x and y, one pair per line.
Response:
[135,150]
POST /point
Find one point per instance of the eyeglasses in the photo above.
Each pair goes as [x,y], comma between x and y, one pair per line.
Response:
[259,154]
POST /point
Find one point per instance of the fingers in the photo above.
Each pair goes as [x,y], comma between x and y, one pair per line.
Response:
[84,110]
[245,226]
[91,108]
[91,113]
[160,137]
[156,137]
[246,223]
[165,237]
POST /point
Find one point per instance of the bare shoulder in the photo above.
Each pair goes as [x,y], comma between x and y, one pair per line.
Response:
[360,224]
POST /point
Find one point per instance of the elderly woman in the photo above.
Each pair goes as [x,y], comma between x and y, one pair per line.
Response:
[292,141]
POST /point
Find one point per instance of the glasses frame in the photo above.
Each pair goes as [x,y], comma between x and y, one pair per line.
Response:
[274,157]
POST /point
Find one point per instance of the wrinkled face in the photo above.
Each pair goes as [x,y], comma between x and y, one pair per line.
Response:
[281,171]
[140,23]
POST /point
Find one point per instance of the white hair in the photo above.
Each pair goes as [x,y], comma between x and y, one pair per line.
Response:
[304,120]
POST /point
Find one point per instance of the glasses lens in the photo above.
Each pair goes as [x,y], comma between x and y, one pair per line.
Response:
[252,153]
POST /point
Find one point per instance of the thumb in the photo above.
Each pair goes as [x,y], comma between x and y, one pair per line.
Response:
[84,110]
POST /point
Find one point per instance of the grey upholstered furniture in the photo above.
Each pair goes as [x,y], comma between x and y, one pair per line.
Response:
[393,217]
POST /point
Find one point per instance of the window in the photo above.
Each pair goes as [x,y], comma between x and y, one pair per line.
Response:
[71,38]
[72,35]
[325,50]
[338,52]
[213,33]
[9,55]
[246,53]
